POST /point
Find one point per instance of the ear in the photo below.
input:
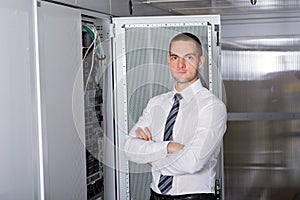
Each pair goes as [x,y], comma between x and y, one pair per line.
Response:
[169,59]
[201,62]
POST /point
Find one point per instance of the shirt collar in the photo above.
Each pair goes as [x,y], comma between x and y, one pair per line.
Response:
[189,92]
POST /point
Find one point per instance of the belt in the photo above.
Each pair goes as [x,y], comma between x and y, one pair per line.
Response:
[200,196]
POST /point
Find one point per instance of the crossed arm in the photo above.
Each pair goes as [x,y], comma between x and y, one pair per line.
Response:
[172,147]
[174,158]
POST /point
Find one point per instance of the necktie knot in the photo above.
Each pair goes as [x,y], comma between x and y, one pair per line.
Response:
[177,97]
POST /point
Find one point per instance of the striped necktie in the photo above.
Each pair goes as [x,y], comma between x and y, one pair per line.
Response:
[165,182]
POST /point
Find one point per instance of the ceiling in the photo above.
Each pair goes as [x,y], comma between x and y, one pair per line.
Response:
[196,7]
[271,25]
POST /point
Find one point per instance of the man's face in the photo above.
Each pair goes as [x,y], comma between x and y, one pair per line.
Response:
[184,62]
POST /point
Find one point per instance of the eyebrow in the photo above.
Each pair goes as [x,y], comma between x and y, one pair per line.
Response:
[188,54]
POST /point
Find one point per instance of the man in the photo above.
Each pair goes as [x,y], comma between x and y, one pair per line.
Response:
[180,132]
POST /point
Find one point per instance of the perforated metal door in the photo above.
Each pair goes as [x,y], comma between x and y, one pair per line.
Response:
[141,48]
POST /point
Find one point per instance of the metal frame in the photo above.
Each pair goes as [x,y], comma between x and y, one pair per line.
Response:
[120,25]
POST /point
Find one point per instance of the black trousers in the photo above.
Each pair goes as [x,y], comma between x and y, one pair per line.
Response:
[202,196]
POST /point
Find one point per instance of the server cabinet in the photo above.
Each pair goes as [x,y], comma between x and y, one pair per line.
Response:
[88,93]
[141,72]
[98,112]
[74,50]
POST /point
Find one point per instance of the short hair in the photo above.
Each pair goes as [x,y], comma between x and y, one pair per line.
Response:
[187,37]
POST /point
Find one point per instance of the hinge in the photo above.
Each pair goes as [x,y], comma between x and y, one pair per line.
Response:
[217,29]
[218,189]
[112,30]
[38,3]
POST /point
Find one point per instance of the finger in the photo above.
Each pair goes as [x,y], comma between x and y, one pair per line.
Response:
[140,134]
[148,133]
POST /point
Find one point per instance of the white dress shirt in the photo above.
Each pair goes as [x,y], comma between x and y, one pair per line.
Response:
[200,126]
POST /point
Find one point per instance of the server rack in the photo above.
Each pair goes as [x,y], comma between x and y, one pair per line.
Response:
[100,89]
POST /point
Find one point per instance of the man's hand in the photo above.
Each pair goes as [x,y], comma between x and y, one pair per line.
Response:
[143,134]
[174,147]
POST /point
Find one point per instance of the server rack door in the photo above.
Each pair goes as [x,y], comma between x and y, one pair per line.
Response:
[19,152]
[62,101]
[141,72]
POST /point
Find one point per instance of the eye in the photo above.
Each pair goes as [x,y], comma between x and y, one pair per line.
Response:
[190,57]
[174,58]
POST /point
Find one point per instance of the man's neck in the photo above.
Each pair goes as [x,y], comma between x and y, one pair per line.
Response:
[181,86]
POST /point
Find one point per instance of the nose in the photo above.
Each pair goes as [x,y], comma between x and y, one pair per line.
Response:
[182,63]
